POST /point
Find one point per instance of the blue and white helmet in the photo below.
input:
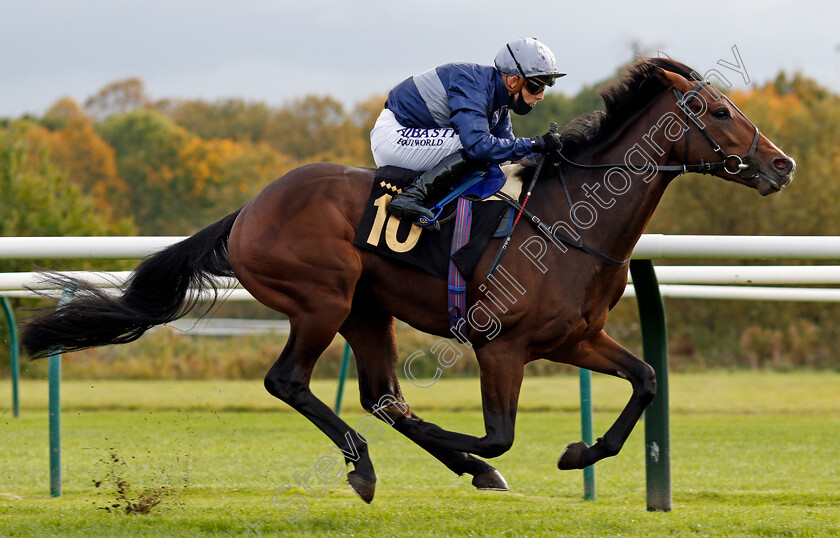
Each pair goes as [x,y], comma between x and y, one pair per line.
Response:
[527,57]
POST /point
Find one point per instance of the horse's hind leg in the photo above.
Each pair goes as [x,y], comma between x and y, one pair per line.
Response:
[288,379]
[603,354]
[370,333]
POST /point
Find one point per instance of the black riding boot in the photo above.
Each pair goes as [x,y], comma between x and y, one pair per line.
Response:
[432,182]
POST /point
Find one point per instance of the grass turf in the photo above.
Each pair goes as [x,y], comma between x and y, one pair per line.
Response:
[752,454]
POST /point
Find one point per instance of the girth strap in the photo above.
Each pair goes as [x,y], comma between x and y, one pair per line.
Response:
[457,287]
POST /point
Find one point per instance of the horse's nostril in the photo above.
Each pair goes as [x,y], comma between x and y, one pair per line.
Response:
[782,165]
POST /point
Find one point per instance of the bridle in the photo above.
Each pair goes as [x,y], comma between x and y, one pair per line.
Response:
[745,167]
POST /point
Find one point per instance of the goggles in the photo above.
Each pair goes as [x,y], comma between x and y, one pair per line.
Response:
[535,86]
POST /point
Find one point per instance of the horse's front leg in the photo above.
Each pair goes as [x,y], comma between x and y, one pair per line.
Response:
[502,366]
[603,354]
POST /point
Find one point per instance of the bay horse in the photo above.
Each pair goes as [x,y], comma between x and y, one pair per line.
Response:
[292,248]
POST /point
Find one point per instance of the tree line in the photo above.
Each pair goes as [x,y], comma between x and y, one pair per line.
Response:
[122,163]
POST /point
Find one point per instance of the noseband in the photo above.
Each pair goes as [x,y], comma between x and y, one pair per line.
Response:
[745,167]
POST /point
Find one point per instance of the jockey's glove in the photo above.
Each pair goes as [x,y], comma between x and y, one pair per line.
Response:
[547,143]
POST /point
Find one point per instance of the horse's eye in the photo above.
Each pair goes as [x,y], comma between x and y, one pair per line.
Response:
[721,114]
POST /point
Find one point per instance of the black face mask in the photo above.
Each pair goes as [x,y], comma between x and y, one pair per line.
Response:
[518,105]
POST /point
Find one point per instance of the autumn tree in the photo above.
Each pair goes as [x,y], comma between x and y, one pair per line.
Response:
[80,151]
[117,98]
[38,199]
[230,118]
[178,182]
[305,130]
[316,129]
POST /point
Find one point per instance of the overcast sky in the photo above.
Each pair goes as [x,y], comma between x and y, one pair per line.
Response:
[276,50]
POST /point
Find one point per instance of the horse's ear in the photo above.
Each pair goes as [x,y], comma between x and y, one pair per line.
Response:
[672,80]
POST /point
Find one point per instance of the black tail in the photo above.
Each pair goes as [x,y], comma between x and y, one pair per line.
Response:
[163,288]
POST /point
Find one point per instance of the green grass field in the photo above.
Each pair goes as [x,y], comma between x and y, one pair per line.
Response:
[753,453]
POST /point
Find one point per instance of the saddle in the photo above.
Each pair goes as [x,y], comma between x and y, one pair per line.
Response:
[430,250]
[462,229]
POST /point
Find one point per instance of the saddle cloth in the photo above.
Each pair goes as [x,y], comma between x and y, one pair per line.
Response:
[420,246]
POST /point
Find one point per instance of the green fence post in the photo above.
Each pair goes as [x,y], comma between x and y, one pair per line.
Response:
[54,375]
[586,430]
[345,362]
[655,346]
[14,354]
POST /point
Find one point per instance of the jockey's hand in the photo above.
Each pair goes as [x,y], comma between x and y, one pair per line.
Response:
[547,143]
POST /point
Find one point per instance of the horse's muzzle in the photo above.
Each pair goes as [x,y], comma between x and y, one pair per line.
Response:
[773,178]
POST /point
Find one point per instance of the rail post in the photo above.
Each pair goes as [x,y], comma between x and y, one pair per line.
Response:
[54,375]
[14,354]
[345,363]
[586,430]
[655,347]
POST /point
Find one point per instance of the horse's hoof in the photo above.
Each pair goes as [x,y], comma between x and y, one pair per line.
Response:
[362,487]
[492,480]
[572,457]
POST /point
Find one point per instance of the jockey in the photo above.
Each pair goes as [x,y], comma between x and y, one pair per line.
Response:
[454,119]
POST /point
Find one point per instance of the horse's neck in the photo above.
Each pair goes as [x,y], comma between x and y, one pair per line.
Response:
[621,214]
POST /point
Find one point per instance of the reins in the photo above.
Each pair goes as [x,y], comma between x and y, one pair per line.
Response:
[556,236]
[741,166]
[702,167]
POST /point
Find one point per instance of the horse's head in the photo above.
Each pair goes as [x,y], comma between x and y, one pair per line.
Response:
[727,137]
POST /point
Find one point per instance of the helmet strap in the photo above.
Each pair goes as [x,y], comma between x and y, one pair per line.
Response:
[521,71]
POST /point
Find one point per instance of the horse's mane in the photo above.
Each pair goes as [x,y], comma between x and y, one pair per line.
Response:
[623,97]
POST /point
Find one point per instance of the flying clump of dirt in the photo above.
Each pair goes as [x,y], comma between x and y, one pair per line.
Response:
[124,497]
